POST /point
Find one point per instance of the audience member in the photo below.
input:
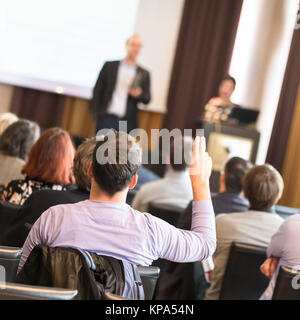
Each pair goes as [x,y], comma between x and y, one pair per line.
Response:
[263,187]
[6,119]
[42,200]
[105,224]
[15,143]
[284,249]
[49,166]
[175,188]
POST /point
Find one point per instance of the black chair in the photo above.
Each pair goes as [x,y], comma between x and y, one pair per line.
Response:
[242,278]
[287,277]
[149,277]
[8,213]
[286,212]
[130,195]
[168,213]
[9,260]
[13,291]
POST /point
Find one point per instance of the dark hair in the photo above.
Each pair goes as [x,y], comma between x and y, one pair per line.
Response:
[116,160]
[235,170]
[18,138]
[51,158]
[82,161]
[180,153]
[229,78]
[263,187]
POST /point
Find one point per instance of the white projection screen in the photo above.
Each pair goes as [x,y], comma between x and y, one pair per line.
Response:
[61,45]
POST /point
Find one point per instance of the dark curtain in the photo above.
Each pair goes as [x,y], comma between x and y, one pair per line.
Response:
[286,106]
[45,108]
[204,49]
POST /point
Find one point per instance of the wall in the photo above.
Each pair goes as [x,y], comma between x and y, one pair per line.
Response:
[260,57]
[158,25]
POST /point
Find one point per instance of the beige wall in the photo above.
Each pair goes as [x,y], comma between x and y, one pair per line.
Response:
[5,97]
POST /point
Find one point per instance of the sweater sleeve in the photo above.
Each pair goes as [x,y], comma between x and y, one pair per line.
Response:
[180,245]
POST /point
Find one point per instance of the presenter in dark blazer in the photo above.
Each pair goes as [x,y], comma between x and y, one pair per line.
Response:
[121,85]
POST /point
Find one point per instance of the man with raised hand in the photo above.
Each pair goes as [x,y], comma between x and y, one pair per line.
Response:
[108,226]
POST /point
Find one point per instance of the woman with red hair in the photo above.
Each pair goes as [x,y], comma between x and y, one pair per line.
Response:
[49,166]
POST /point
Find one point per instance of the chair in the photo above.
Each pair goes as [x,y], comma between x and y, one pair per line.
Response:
[8,213]
[13,291]
[149,277]
[111,296]
[287,277]
[286,212]
[168,213]
[9,259]
[242,278]
[130,196]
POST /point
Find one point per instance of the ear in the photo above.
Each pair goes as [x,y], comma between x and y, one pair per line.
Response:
[90,171]
[222,177]
[133,182]
[168,160]
[244,195]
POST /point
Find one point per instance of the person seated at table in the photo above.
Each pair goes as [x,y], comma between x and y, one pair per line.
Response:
[49,166]
[226,89]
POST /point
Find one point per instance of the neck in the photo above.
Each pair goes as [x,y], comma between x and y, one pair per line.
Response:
[130,61]
[96,194]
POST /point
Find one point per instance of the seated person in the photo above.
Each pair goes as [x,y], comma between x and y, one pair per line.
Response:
[106,225]
[226,90]
[42,200]
[230,197]
[49,166]
[6,119]
[174,189]
[15,143]
[284,249]
[263,187]
[212,111]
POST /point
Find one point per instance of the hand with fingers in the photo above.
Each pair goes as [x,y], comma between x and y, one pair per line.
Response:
[200,170]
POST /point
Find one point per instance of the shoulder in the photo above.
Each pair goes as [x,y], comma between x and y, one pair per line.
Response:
[143,70]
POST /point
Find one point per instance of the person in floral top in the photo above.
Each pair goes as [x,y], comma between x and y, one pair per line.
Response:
[49,166]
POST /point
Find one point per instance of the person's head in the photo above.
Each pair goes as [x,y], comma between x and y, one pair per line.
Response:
[231,180]
[180,153]
[263,187]
[133,46]
[116,160]
[6,119]
[51,158]
[18,138]
[227,87]
[82,161]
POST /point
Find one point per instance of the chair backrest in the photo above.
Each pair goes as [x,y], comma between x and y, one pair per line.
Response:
[149,277]
[13,291]
[286,212]
[111,296]
[8,213]
[242,278]
[9,260]
[167,213]
[286,279]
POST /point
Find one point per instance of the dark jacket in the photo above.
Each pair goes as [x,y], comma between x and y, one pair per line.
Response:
[87,272]
[105,87]
[16,233]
